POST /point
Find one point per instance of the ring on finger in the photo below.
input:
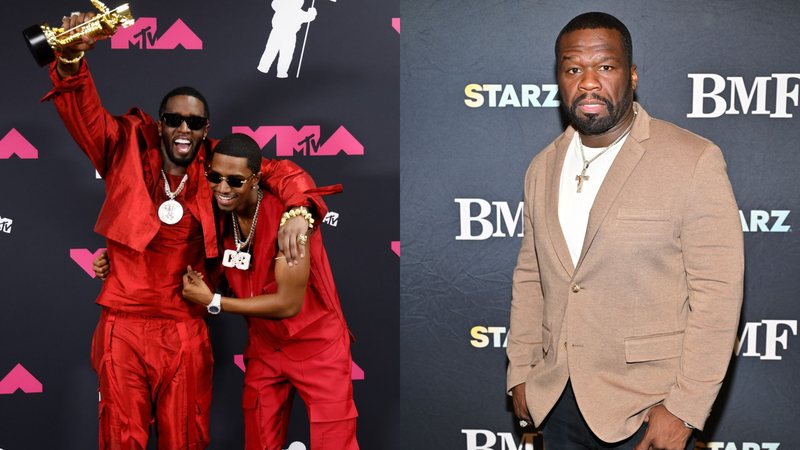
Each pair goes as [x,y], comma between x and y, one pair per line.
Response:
[74,13]
[302,239]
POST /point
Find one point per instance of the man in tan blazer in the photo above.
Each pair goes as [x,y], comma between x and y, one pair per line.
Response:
[628,286]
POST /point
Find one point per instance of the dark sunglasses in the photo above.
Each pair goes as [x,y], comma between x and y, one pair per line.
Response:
[175,120]
[234,182]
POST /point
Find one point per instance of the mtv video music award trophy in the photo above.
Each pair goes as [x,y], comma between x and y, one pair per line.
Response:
[46,42]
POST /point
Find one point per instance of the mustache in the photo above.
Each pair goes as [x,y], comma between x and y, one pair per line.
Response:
[588,96]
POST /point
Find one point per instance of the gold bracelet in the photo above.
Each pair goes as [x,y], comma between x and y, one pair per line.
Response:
[71,61]
[299,211]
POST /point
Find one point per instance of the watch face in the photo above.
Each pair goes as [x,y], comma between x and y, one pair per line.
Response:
[213,309]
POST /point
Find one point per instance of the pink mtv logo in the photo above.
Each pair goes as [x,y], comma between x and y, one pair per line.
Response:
[142,34]
[13,143]
[305,141]
[357,372]
[396,247]
[84,258]
[396,23]
[20,379]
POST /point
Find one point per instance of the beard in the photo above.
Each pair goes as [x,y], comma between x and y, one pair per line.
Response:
[594,124]
[180,161]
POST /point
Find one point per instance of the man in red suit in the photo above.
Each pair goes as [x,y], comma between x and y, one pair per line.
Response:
[151,349]
[298,338]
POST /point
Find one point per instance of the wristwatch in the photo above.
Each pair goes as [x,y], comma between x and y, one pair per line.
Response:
[216,304]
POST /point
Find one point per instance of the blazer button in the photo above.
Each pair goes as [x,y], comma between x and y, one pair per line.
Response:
[576,288]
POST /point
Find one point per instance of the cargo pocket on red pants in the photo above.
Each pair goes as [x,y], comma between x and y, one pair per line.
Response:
[252,423]
[332,411]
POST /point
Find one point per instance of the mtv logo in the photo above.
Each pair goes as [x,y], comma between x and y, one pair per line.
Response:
[332,218]
[13,143]
[5,225]
[142,34]
[304,141]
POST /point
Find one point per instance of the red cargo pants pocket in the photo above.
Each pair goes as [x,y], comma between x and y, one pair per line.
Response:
[252,421]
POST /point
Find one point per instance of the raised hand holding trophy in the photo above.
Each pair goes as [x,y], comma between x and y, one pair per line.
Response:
[46,42]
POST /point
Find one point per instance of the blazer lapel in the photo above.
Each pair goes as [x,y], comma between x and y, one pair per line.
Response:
[628,157]
[555,162]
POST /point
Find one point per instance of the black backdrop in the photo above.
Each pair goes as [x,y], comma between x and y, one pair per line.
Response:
[50,197]
[462,167]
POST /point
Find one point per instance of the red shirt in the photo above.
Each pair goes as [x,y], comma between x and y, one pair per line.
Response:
[156,288]
[320,321]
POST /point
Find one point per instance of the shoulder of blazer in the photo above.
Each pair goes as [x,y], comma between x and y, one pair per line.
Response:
[666,136]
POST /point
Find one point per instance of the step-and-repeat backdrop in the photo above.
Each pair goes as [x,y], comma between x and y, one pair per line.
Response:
[478,101]
[335,114]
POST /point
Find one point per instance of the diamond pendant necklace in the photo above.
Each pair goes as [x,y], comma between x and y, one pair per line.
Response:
[238,258]
[170,212]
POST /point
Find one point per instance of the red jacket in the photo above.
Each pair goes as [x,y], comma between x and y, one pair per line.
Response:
[126,152]
[130,142]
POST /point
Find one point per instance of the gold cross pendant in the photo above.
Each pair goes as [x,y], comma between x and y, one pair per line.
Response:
[581,178]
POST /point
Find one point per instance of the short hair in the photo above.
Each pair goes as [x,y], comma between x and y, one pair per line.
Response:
[241,146]
[184,90]
[595,20]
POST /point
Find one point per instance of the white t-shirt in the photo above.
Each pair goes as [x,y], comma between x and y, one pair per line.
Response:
[574,207]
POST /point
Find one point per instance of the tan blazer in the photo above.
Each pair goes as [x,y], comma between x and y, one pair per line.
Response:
[650,313]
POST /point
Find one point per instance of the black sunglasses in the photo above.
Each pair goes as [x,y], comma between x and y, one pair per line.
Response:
[234,182]
[175,120]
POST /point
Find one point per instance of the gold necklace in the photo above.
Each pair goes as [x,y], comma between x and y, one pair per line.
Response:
[583,177]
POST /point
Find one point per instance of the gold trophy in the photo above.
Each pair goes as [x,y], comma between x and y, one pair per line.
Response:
[46,42]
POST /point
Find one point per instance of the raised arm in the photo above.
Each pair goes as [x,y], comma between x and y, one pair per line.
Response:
[75,96]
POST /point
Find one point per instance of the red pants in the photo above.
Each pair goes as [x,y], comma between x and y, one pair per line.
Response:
[323,382]
[152,369]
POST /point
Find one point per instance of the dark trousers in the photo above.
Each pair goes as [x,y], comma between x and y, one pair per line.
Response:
[565,429]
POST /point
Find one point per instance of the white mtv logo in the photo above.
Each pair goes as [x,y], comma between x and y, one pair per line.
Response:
[332,218]
[5,227]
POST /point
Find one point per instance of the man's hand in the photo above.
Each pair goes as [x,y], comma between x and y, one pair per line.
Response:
[195,289]
[74,49]
[287,239]
[664,431]
[101,266]
[520,404]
